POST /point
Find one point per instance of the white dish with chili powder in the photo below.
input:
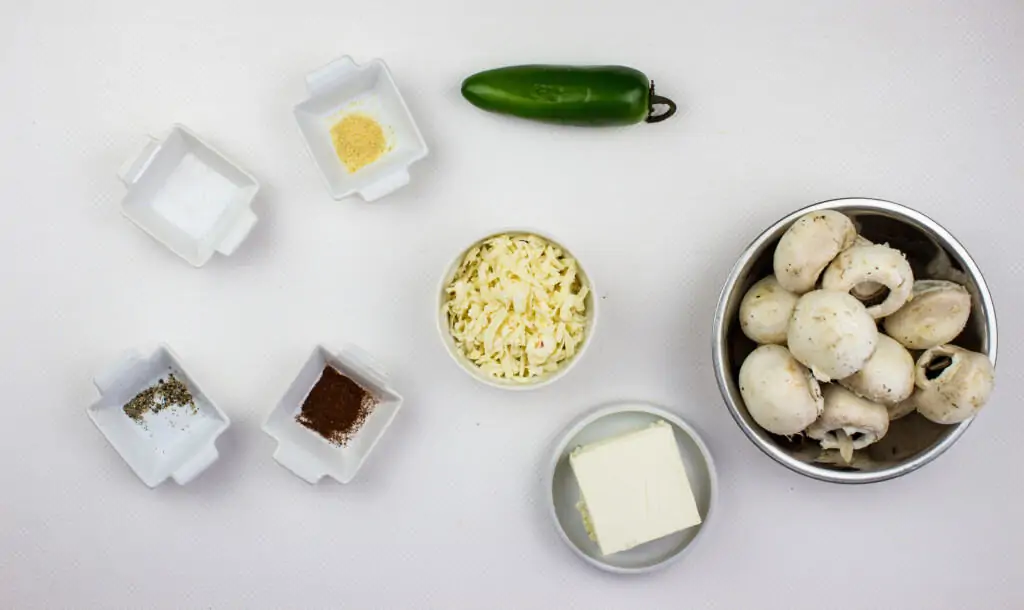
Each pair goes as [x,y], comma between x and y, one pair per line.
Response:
[306,453]
[516,310]
[348,100]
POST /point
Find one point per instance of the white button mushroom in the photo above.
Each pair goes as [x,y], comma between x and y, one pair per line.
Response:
[866,292]
[832,334]
[848,422]
[765,311]
[937,314]
[953,384]
[887,377]
[876,263]
[779,393]
[904,408]
[808,246]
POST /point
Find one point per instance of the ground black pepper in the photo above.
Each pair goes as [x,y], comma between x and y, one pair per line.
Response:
[156,398]
[336,407]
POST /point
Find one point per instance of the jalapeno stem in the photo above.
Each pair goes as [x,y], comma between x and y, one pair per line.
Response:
[657,100]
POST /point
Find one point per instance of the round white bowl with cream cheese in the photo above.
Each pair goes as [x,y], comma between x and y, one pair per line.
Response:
[564,495]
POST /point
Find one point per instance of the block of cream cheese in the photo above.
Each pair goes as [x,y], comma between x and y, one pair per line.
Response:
[633,488]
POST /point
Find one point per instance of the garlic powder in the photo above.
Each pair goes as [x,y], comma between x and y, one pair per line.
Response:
[358,140]
[516,307]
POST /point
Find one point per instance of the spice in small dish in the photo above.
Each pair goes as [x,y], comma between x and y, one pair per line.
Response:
[358,140]
[336,407]
[164,394]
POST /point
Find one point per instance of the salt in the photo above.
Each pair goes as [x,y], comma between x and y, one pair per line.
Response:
[194,196]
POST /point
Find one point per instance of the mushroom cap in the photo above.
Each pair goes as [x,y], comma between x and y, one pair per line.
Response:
[779,393]
[887,377]
[865,422]
[832,334]
[953,384]
[866,291]
[904,408]
[936,314]
[875,264]
[765,311]
[808,246]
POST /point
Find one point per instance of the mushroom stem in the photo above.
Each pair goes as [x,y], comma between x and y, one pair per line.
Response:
[845,445]
[937,364]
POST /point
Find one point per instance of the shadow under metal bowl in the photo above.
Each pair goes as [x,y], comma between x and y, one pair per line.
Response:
[912,441]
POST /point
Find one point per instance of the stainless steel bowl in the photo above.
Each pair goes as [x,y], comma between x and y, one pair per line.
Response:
[912,441]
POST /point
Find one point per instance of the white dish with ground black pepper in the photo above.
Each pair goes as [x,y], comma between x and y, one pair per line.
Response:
[157,418]
[332,415]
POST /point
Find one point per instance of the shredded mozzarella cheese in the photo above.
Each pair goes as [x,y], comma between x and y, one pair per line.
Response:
[516,307]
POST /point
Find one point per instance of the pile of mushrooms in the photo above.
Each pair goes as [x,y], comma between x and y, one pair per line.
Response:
[823,367]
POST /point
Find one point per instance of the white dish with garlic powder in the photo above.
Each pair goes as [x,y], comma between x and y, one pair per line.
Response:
[343,87]
[564,494]
[507,312]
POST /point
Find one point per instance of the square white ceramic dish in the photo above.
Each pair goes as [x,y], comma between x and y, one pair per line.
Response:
[307,454]
[188,196]
[342,87]
[175,442]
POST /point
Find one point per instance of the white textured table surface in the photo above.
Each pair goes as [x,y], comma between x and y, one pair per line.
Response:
[918,102]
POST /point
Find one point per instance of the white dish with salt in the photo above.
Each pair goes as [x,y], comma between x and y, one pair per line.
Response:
[188,196]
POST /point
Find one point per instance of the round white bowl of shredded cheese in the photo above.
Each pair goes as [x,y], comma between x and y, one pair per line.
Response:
[516,310]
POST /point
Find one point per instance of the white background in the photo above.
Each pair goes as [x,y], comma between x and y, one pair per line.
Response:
[786,103]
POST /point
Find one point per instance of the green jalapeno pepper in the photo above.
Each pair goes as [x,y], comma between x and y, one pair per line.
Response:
[569,95]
